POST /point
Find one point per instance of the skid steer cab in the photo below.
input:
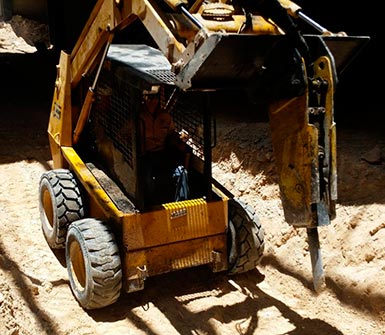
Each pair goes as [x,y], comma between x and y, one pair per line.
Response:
[132,194]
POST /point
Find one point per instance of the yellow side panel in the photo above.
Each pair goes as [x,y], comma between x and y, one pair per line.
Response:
[60,127]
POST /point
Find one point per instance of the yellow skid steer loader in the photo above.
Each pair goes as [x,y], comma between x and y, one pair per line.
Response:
[125,205]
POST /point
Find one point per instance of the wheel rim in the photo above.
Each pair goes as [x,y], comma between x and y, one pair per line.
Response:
[78,268]
[48,207]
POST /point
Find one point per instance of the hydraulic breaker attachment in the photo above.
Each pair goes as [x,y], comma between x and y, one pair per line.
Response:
[303,134]
[304,142]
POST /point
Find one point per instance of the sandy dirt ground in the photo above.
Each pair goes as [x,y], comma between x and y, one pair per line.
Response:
[277,298]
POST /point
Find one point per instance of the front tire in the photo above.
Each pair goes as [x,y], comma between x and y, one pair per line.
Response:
[93,263]
[245,238]
[60,203]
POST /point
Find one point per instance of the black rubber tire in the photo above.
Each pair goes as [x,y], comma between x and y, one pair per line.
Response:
[60,203]
[93,263]
[245,238]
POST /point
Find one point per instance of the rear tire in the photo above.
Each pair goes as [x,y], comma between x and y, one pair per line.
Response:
[60,203]
[245,238]
[93,263]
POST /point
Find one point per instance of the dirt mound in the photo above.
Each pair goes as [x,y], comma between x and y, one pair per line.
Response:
[22,35]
